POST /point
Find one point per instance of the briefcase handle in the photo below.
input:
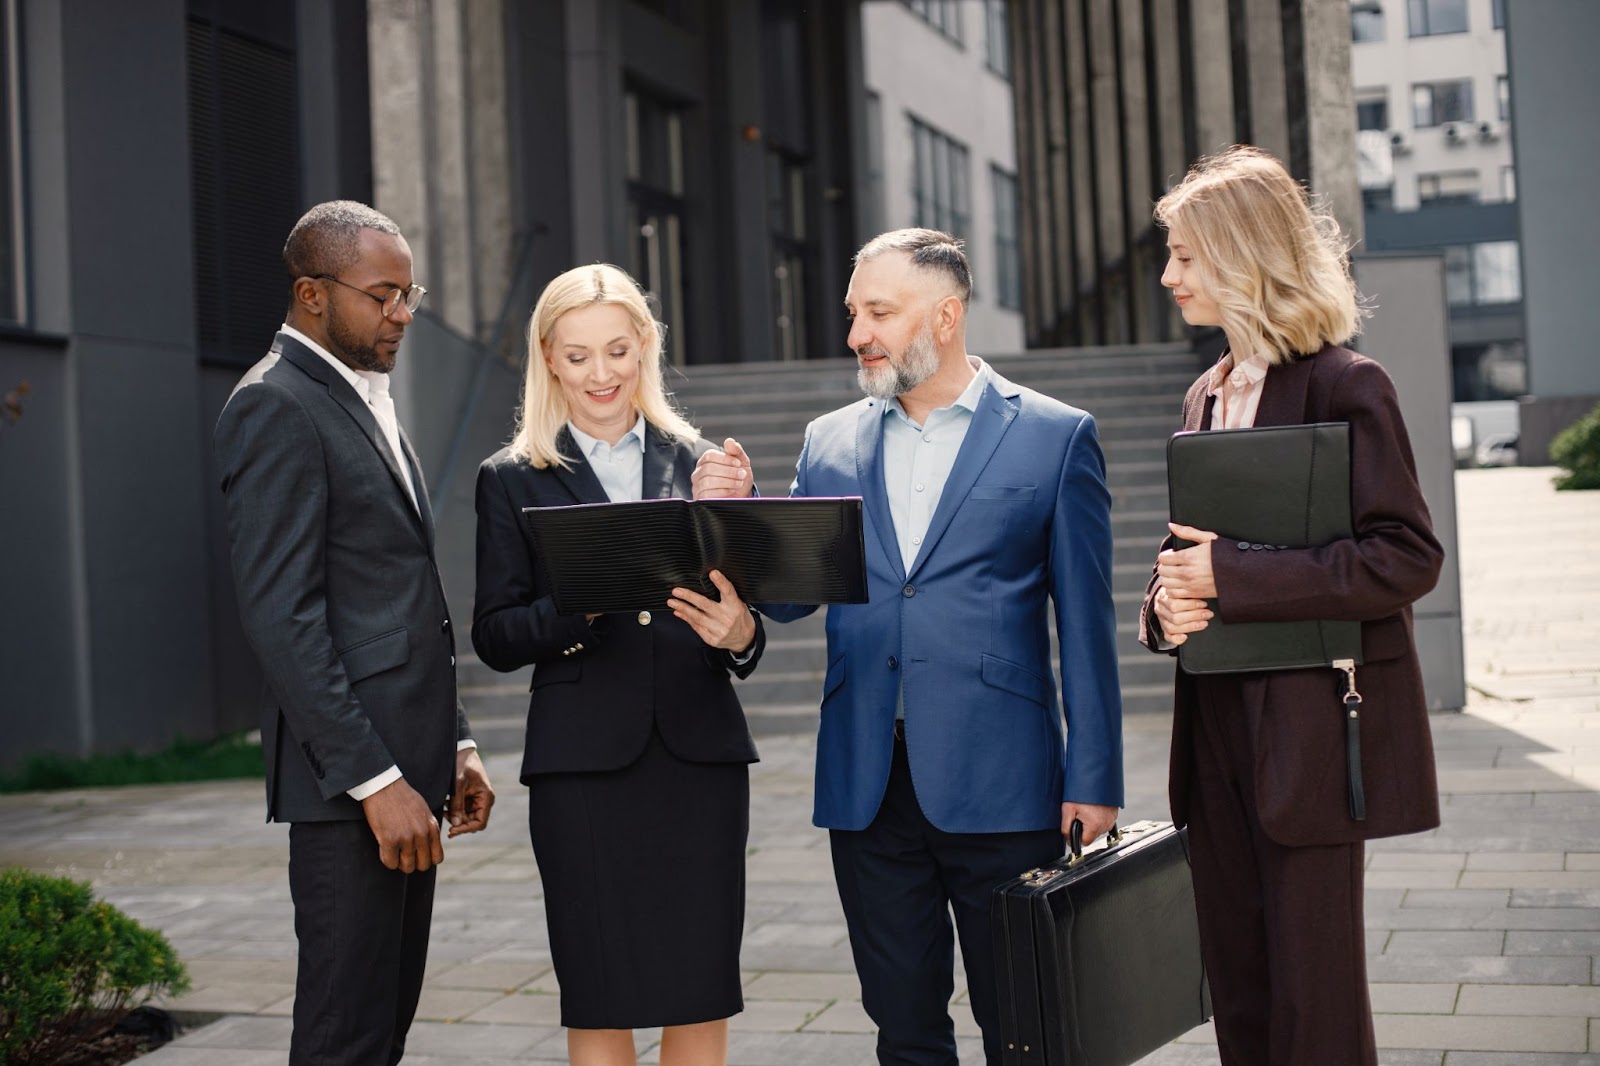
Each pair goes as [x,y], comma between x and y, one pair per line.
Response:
[1075,840]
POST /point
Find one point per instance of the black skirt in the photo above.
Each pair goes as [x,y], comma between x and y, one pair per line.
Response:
[643,872]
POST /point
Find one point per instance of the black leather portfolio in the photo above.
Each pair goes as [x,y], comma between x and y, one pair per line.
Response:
[629,556]
[1264,489]
[1098,960]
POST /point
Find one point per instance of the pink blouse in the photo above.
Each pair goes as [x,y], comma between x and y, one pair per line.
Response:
[1237,387]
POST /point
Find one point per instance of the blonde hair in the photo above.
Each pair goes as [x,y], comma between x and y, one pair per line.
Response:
[544,410]
[1273,261]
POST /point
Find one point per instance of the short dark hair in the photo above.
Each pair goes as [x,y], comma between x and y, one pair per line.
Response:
[327,239]
[930,249]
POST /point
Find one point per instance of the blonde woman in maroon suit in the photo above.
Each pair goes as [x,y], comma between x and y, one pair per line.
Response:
[1258,759]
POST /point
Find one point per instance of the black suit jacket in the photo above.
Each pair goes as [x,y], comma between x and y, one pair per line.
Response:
[598,688]
[338,591]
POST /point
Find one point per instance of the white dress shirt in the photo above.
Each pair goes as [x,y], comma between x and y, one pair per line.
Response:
[373,388]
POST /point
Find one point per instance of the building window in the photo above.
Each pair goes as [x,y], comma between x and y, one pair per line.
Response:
[997,37]
[1366,21]
[11,297]
[1435,103]
[1380,198]
[939,197]
[656,209]
[1508,184]
[942,15]
[786,221]
[1482,274]
[1502,90]
[1497,14]
[1372,109]
[1430,18]
[874,211]
[1007,251]
[1450,186]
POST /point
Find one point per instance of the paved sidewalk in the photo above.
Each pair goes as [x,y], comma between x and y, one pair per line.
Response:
[1483,936]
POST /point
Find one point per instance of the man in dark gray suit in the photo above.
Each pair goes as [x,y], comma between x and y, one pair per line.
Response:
[365,741]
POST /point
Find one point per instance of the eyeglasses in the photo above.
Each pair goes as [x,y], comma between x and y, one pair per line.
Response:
[390,300]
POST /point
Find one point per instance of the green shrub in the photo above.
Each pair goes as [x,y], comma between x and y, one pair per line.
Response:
[185,760]
[1577,449]
[71,966]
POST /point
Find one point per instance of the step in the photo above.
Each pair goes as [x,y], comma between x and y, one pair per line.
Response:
[1091,393]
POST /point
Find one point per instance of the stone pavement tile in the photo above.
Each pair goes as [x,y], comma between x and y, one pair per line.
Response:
[1434,918]
[1482,1032]
[1417,860]
[807,1049]
[469,1042]
[173,1055]
[845,1016]
[1551,918]
[1413,999]
[1455,899]
[240,1031]
[1428,879]
[284,1008]
[1520,1058]
[204,971]
[1555,897]
[1478,969]
[1583,860]
[489,975]
[1576,1001]
[776,1015]
[1432,943]
[1181,1055]
[452,1004]
[1503,860]
[783,955]
[1200,1034]
[804,934]
[264,949]
[521,1009]
[779,984]
[1557,880]
[235,997]
[1584,942]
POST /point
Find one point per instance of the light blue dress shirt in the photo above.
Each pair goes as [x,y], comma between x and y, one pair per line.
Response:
[619,466]
[917,460]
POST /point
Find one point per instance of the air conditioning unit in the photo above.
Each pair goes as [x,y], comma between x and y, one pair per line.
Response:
[1489,130]
[1456,133]
[1399,142]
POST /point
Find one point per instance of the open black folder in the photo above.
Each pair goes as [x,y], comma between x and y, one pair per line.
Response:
[629,556]
[1264,489]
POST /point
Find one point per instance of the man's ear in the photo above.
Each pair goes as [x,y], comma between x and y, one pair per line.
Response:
[309,296]
[947,318]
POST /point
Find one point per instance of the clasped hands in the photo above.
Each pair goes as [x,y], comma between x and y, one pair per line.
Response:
[408,832]
[1186,581]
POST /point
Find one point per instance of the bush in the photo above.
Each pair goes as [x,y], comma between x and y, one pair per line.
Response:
[71,966]
[1577,449]
[185,760]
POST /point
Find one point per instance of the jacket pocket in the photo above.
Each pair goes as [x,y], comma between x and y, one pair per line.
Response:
[1017,680]
[835,676]
[1014,493]
[555,673]
[376,654]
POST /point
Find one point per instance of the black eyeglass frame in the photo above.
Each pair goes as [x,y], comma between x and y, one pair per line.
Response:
[390,301]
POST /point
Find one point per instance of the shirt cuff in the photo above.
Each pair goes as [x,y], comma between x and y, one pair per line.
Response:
[466,745]
[373,785]
[740,658]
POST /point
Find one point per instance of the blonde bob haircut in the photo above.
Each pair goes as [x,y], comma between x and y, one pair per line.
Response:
[544,411]
[1273,261]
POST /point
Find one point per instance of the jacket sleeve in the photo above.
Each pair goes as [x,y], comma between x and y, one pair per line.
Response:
[275,498]
[1392,560]
[1150,634]
[1079,571]
[512,625]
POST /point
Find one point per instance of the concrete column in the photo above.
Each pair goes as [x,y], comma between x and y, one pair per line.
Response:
[489,153]
[1331,112]
[451,263]
[1213,75]
[1269,115]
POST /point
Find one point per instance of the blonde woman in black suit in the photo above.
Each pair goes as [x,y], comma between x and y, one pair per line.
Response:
[637,749]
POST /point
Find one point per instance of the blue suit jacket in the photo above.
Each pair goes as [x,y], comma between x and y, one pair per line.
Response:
[1023,527]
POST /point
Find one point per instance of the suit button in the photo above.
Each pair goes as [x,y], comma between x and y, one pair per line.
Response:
[644,618]
[893,663]
[1255,547]
[444,627]
[908,592]
[1244,545]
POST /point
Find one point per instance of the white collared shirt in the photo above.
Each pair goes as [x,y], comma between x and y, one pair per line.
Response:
[619,466]
[373,388]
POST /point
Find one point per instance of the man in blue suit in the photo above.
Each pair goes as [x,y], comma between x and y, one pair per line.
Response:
[942,769]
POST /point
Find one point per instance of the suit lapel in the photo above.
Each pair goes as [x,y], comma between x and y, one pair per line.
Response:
[580,480]
[1283,394]
[345,395]
[996,410]
[667,468]
[869,475]
[424,505]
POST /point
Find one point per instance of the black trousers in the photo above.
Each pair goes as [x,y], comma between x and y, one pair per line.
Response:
[899,881]
[1281,928]
[363,932]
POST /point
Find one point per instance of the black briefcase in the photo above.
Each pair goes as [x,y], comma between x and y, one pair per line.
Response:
[1097,957]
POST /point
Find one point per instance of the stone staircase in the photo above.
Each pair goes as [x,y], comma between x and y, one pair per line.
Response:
[1134,394]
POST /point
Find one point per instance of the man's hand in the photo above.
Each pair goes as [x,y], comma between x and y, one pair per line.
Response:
[723,474]
[1180,617]
[473,796]
[1096,820]
[724,623]
[1187,574]
[407,832]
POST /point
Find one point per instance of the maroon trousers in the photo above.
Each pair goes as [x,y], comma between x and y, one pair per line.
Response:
[1281,928]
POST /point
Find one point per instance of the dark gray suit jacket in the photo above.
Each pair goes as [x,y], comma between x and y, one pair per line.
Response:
[338,591]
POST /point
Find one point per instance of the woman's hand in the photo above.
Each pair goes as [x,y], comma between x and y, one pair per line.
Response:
[1187,574]
[724,623]
[1179,618]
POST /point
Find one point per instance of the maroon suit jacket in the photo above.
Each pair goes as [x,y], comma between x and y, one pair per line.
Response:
[1373,578]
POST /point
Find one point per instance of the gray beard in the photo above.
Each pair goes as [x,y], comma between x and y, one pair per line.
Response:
[919,363]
